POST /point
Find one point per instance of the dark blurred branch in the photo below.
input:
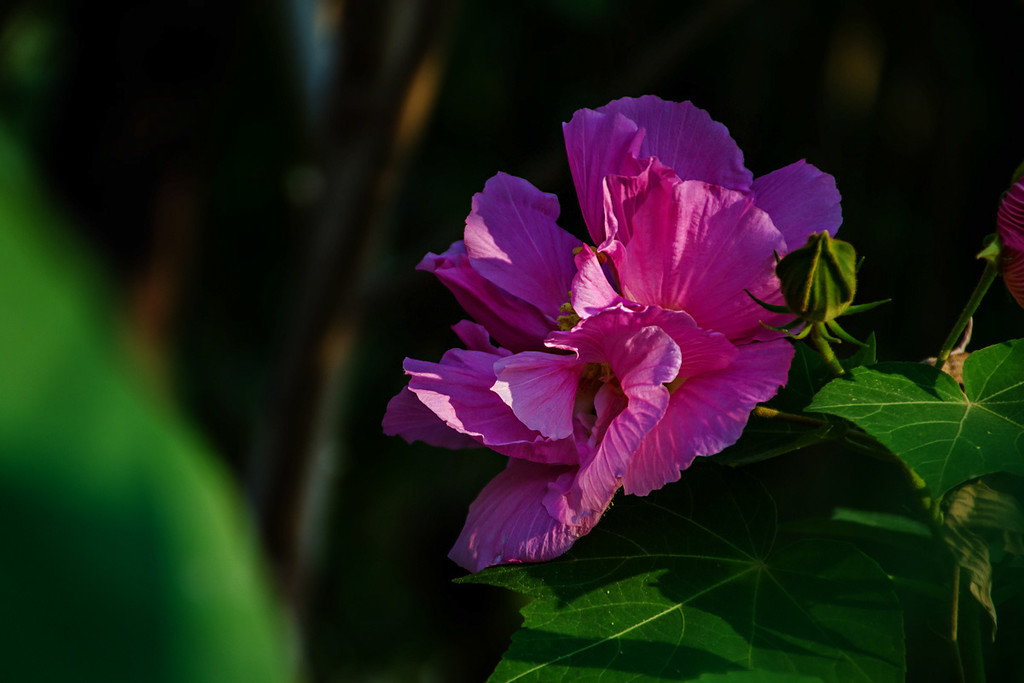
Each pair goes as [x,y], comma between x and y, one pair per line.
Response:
[388,71]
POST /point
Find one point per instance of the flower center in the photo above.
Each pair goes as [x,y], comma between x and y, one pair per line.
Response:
[597,372]
[568,319]
[679,381]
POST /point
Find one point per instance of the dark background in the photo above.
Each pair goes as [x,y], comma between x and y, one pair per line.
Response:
[259,179]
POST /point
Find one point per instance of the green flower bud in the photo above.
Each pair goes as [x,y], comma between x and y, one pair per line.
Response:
[819,279]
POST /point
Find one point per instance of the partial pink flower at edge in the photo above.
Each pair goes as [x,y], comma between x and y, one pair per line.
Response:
[1010,224]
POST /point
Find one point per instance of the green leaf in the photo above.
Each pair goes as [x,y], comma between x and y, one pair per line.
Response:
[689,581]
[879,527]
[756,677]
[971,511]
[126,554]
[945,434]
[865,355]
[882,521]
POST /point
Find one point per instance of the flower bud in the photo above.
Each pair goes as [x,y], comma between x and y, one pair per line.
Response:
[819,279]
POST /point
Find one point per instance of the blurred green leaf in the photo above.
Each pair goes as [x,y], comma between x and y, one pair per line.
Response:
[945,434]
[688,581]
[125,556]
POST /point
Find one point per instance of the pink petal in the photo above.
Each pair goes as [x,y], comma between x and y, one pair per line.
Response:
[685,139]
[800,200]
[695,247]
[541,390]
[560,451]
[458,391]
[643,360]
[575,502]
[1010,219]
[476,338]
[591,290]
[702,351]
[647,397]
[598,145]
[708,413]
[512,322]
[407,417]
[513,241]
[609,403]
[508,521]
[643,364]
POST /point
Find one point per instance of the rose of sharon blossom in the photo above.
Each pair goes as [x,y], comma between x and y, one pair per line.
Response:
[1010,224]
[612,365]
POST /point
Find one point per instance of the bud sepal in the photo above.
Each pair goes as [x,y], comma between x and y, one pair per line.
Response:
[818,283]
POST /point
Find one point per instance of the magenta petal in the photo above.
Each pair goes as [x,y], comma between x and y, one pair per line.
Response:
[513,241]
[512,322]
[407,417]
[707,413]
[598,145]
[702,351]
[696,247]
[458,391]
[508,521]
[541,390]
[591,291]
[800,200]
[476,338]
[643,359]
[643,364]
[685,138]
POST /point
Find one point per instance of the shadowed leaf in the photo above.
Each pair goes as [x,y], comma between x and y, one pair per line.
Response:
[689,581]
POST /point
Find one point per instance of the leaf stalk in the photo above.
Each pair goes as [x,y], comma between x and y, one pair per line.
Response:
[987,278]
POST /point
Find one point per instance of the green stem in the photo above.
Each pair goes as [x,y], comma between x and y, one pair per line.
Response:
[967,623]
[822,345]
[954,625]
[852,435]
[772,414]
[987,278]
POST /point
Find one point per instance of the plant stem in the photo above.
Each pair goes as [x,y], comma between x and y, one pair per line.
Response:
[772,414]
[987,278]
[954,620]
[967,650]
[823,347]
[851,434]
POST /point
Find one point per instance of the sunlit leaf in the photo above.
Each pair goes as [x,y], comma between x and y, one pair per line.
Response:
[688,581]
[947,435]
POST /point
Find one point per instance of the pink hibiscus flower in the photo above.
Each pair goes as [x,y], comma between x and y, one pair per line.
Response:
[616,364]
[1010,224]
